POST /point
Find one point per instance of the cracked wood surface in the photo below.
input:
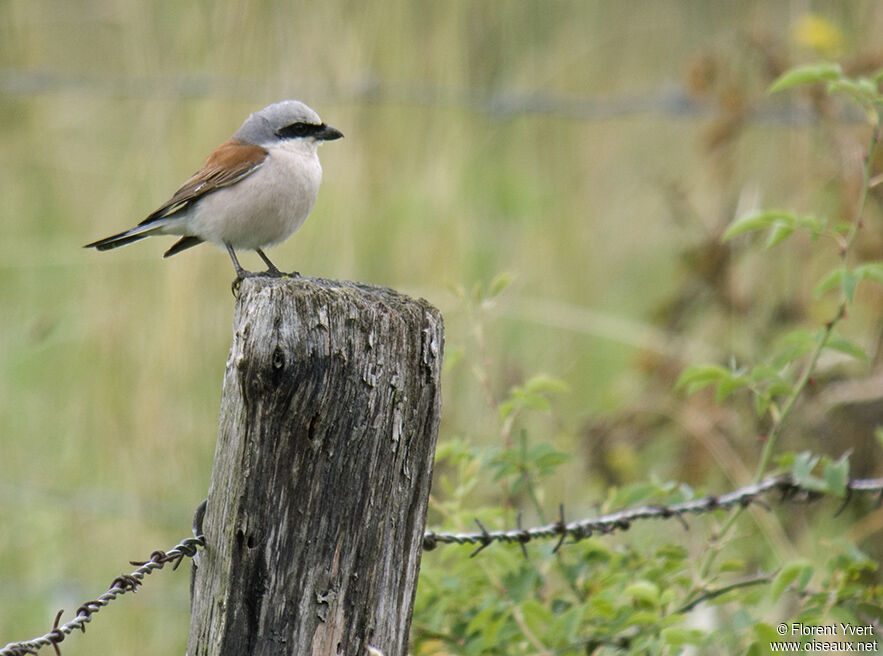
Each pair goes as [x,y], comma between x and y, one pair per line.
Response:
[317,504]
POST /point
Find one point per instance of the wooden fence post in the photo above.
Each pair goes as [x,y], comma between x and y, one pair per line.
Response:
[317,503]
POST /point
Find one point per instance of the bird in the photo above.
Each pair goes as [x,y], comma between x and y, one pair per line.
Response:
[255,190]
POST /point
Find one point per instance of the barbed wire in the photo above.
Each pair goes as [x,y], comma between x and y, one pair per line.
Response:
[578,530]
[669,99]
[118,587]
[622,520]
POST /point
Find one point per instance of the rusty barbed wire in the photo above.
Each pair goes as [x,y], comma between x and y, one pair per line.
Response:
[119,586]
[622,520]
[606,524]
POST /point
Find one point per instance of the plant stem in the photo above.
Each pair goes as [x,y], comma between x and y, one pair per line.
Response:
[799,386]
[825,335]
[866,187]
[712,594]
[829,327]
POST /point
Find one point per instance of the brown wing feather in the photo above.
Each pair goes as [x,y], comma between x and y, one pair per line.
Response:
[227,164]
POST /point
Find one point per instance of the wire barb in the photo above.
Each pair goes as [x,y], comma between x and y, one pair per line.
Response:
[485,539]
[57,636]
[523,536]
[750,495]
[561,529]
[119,586]
[846,499]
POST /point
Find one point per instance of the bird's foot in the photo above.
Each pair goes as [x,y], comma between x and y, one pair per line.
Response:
[241,274]
[273,272]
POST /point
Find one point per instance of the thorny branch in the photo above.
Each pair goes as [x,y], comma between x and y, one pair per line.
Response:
[619,521]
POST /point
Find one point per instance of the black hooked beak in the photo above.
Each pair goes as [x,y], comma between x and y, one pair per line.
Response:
[328,133]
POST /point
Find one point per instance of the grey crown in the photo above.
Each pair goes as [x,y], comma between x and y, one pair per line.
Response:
[260,127]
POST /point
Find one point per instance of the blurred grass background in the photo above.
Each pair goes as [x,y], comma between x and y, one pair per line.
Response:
[593,150]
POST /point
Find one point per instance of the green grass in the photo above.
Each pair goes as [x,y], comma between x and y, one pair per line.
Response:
[111,364]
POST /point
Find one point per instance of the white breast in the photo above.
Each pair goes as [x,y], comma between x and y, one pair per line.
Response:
[266,207]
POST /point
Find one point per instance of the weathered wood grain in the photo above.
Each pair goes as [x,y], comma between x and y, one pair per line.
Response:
[318,496]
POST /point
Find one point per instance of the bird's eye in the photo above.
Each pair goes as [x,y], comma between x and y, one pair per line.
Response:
[295,130]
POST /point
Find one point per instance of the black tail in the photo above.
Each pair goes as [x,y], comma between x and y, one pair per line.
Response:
[115,241]
[182,244]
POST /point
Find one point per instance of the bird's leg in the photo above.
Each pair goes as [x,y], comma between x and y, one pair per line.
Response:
[241,273]
[271,268]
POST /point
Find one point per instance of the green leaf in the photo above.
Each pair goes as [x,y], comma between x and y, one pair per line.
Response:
[804,463]
[644,591]
[546,459]
[801,470]
[780,223]
[811,223]
[761,373]
[532,401]
[643,617]
[506,408]
[491,631]
[697,377]
[804,578]
[870,271]
[836,475]
[862,90]
[778,233]
[786,460]
[480,619]
[794,345]
[787,575]
[520,585]
[822,72]
[567,625]
[536,616]
[632,494]
[727,386]
[766,633]
[779,387]
[828,282]
[543,383]
[848,283]
[758,221]
[500,282]
[848,279]
[847,347]
[762,403]
[672,552]
[680,635]
[531,395]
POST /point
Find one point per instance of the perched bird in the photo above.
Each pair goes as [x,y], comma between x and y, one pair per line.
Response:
[255,190]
